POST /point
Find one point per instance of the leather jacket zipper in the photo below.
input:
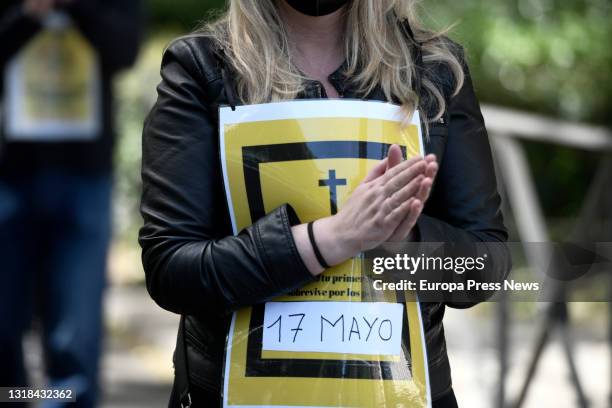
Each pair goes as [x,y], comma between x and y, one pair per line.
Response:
[195,341]
[195,378]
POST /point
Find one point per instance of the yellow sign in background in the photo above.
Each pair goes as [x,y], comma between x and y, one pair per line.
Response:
[53,86]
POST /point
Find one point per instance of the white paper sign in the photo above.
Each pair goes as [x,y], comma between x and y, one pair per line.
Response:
[334,327]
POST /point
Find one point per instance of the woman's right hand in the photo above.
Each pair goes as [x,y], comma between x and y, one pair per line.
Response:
[388,201]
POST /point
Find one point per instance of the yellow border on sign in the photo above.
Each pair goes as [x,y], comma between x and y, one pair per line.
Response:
[284,391]
[346,392]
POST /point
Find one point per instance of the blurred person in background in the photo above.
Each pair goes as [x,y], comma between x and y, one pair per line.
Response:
[58,59]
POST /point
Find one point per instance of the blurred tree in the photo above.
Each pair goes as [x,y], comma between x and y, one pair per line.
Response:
[183,15]
[549,56]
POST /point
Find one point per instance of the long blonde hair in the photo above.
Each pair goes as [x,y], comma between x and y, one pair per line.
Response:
[377,49]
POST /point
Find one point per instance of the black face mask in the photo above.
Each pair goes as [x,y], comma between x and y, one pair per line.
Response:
[316,8]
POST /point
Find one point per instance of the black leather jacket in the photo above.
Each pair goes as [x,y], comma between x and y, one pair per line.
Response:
[195,266]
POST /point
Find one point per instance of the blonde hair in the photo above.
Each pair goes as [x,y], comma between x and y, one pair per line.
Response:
[378,51]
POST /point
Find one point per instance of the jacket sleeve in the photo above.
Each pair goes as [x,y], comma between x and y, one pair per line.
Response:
[113,28]
[16,29]
[192,262]
[464,206]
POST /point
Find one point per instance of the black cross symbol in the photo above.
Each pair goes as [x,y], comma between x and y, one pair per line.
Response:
[332,182]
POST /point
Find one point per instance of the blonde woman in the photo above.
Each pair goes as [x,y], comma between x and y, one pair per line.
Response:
[270,50]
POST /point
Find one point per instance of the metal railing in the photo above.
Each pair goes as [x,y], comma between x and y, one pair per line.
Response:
[507,130]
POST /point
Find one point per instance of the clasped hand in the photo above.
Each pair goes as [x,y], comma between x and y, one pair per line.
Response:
[384,207]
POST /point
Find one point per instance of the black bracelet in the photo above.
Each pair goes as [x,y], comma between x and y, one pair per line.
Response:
[315,248]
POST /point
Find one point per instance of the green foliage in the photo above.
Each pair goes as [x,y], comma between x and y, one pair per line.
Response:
[135,93]
[549,56]
[182,15]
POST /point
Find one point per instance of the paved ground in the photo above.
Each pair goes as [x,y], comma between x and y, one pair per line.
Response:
[137,368]
[471,345]
[138,365]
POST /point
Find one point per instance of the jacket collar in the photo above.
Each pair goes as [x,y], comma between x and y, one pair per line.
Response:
[314,89]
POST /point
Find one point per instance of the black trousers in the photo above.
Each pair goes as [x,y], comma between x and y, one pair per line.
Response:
[205,399]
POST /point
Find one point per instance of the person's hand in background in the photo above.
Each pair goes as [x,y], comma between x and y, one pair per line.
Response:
[38,9]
